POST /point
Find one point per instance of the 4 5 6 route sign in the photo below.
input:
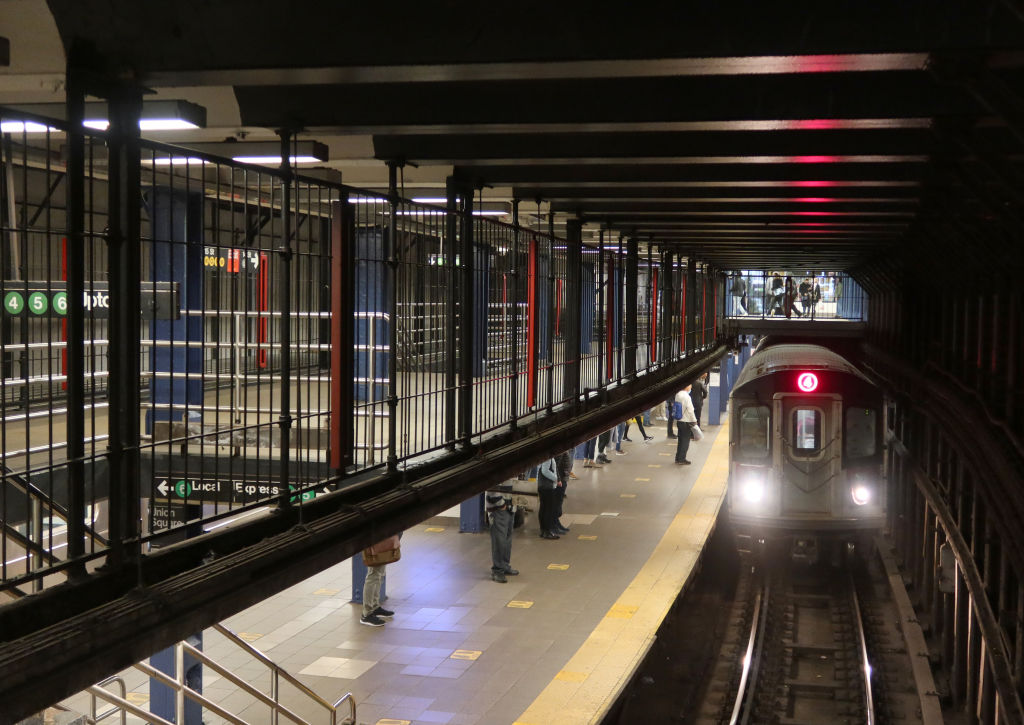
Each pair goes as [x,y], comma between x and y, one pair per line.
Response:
[224,490]
[159,300]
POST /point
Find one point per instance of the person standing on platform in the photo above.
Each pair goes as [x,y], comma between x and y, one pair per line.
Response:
[375,558]
[698,393]
[638,419]
[547,482]
[563,464]
[501,514]
[602,445]
[686,417]
[671,418]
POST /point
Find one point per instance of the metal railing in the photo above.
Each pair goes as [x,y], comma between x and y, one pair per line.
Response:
[224,368]
[177,683]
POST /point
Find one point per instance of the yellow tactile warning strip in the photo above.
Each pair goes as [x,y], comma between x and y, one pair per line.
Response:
[593,678]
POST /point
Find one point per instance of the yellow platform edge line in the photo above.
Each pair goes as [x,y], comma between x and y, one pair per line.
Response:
[613,651]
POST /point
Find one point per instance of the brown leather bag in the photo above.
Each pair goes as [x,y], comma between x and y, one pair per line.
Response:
[387,551]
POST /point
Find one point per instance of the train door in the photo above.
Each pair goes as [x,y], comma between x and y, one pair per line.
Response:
[807,452]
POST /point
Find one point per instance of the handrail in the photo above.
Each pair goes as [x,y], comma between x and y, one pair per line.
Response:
[279,671]
[124,694]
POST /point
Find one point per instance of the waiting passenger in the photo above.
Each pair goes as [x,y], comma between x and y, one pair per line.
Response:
[501,514]
[698,392]
[563,463]
[684,411]
[547,482]
[639,424]
[376,557]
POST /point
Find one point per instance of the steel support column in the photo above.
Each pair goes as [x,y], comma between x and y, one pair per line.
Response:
[632,264]
[75,251]
[285,254]
[124,258]
[667,302]
[466,316]
[690,344]
[571,336]
[513,385]
[342,340]
[393,268]
[451,233]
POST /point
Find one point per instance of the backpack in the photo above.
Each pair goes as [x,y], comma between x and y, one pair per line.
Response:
[677,410]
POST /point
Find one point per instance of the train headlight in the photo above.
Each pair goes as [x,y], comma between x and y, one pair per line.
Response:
[753,489]
[860,493]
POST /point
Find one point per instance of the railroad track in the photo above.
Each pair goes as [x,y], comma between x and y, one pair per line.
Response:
[798,653]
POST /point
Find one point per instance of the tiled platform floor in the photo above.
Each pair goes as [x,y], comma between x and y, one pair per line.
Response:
[552,646]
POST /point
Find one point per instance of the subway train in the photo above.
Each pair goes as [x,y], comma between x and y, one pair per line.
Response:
[805,455]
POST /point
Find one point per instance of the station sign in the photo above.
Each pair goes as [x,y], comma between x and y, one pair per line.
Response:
[220,490]
[234,261]
[49,299]
[167,515]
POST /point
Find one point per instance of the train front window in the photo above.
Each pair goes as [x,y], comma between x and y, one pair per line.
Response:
[753,442]
[806,430]
[860,432]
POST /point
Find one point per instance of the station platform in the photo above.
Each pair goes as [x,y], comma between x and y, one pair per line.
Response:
[553,646]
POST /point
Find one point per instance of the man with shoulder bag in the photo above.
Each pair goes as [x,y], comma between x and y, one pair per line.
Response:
[375,558]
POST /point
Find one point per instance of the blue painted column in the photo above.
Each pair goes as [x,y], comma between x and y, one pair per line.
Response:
[177,256]
[471,515]
[176,219]
[714,404]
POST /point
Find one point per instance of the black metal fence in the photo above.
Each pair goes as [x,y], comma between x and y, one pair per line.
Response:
[186,339]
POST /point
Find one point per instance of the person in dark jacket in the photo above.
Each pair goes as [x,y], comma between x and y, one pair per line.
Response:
[698,392]
[547,482]
[563,465]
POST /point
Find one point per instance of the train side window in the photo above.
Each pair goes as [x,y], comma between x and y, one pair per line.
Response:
[860,432]
[806,431]
[754,427]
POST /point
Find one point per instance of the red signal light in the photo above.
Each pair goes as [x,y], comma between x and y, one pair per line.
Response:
[807,382]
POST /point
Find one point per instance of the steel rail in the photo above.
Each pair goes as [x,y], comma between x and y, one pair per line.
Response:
[751,659]
[862,655]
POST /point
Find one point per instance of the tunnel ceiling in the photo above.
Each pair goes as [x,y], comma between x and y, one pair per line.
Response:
[770,134]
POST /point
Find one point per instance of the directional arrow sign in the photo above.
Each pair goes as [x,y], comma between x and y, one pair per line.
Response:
[226,490]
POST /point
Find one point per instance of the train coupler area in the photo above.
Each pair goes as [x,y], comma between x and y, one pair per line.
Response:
[804,550]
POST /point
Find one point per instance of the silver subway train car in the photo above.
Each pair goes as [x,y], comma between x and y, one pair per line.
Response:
[805,454]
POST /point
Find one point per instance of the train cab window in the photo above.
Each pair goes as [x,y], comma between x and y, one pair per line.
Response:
[860,433]
[754,426]
[806,431]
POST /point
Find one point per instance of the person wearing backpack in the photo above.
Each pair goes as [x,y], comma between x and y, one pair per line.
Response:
[686,418]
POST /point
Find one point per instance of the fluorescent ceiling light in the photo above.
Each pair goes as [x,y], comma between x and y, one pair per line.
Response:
[157,114]
[265,152]
[174,161]
[24,127]
[275,159]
